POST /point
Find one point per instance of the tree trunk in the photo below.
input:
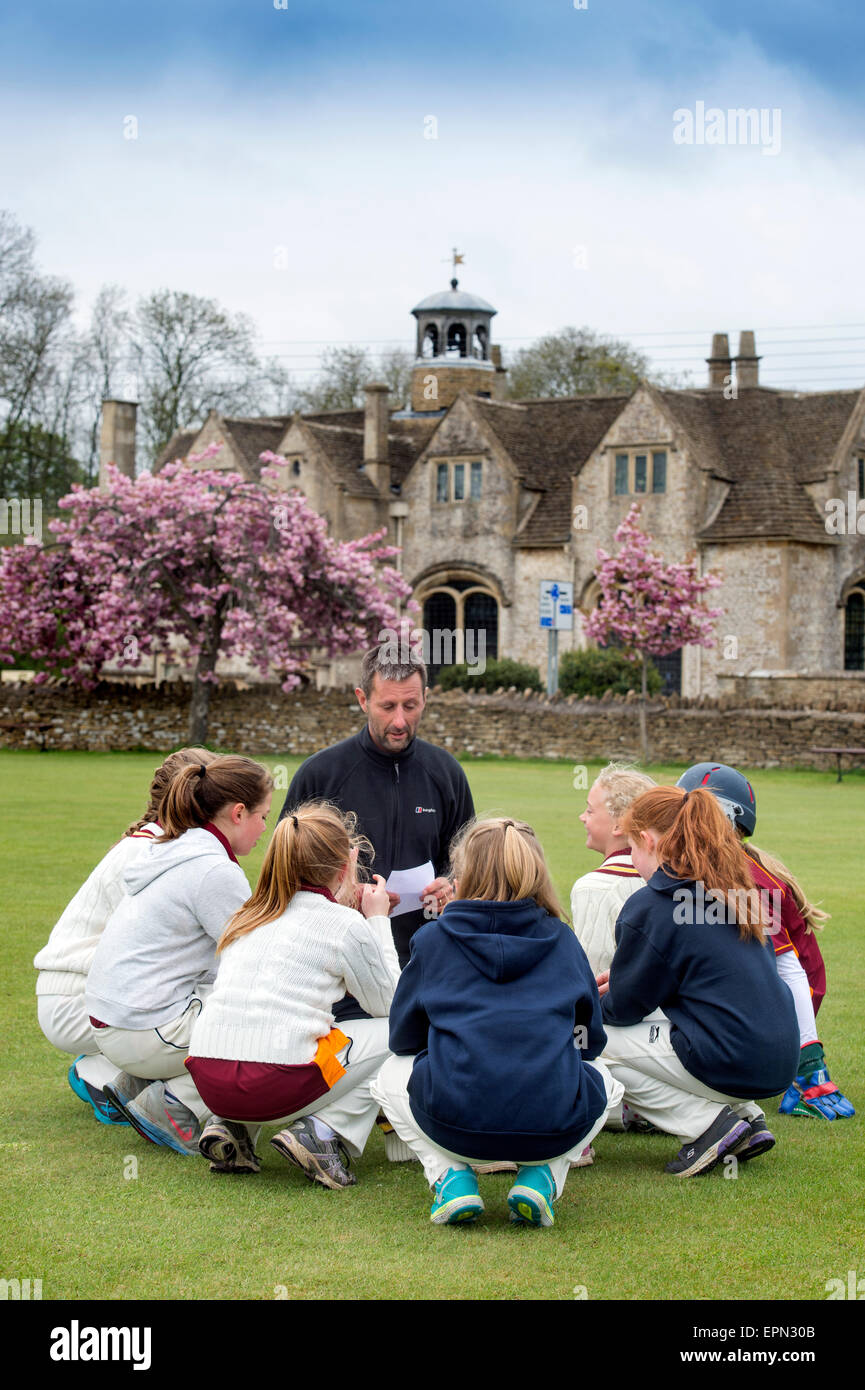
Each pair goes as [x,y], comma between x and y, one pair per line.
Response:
[644,735]
[199,703]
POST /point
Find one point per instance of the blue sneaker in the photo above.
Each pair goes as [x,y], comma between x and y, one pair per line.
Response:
[105,1112]
[457,1198]
[532,1195]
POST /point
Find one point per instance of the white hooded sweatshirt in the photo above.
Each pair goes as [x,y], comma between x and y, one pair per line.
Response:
[160,942]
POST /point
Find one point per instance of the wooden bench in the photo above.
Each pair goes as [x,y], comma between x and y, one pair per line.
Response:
[841,752]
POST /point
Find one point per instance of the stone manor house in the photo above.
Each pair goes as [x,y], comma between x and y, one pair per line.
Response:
[482,494]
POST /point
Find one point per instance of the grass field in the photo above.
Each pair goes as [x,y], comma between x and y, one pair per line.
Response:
[97,1213]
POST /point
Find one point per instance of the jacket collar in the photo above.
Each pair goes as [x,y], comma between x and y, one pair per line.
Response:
[375,753]
[662,882]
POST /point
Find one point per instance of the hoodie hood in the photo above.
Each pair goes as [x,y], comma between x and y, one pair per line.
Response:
[158,858]
[503,940]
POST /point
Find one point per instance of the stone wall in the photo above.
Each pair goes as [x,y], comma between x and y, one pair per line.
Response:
[263,721]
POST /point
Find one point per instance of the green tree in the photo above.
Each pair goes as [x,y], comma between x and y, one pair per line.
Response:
[577,362]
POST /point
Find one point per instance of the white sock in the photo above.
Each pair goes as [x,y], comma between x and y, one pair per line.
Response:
[322,1131]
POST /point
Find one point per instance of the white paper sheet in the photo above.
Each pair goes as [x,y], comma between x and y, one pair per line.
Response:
[409,883]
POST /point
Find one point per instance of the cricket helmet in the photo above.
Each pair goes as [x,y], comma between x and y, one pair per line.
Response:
[733,791]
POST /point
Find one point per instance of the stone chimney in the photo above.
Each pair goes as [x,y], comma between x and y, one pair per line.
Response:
[720,363]
[376,418]
[500,378]
[747,362]
[117,440]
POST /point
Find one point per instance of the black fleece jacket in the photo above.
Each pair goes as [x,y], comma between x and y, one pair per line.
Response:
[408,804]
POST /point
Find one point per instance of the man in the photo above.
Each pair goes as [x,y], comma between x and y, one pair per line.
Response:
[410,797]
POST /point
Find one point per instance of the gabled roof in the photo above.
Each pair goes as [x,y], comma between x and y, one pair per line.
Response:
[255,436]
[339,434]
[177,447]
[548,442]
[766,444]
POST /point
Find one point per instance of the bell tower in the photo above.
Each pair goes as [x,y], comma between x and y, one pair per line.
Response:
[454,352]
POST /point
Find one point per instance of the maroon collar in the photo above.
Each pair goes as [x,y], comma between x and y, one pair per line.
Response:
[313,888]
[222,840]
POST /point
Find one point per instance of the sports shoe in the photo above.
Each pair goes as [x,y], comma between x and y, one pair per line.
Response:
[228,1146]
[632,1123]
[585,1160]
[502,1167]
[160,1117]
[532,1195]
[758,1140]
[105,1112]
[123,1089]
[324,1161]
[457,1199]
[702,1154]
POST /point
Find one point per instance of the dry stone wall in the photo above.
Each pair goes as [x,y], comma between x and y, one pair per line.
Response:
[264,721]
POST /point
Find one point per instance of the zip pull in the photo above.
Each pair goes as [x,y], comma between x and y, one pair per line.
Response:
[396,770]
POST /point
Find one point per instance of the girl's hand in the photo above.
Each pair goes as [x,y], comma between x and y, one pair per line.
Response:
[603,982]
[376,899]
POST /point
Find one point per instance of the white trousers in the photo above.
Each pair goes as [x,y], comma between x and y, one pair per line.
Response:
[390,1090]
[66,1024]
[656,1084]
[348,1107]
[160,1053]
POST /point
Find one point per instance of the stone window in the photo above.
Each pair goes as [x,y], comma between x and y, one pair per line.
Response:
[430,344]
[461,624]
[479,343]
[854,630]
[295,467]
[639,471]
[860,476]
[459,481]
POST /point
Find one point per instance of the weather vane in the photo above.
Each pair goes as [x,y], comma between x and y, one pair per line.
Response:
[456,258]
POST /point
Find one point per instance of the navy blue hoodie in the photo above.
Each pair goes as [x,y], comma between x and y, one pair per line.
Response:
[489,1002]
[734,1021]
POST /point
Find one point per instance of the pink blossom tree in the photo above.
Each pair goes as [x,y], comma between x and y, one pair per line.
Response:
[649,607]
[197,565]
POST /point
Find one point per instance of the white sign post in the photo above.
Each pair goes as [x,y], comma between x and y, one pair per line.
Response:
[556,614]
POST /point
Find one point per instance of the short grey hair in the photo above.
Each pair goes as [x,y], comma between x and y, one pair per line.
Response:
[379,662]
[621,784]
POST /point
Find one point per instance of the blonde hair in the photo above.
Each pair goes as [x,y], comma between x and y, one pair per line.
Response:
[199,791]
[310,845]
[162,779]
[500,860]
[622,783]
[813,916]
[698,842]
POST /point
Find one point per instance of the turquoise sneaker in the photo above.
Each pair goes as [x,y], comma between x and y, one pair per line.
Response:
[457,1198]
[105,1112]
[532,1195]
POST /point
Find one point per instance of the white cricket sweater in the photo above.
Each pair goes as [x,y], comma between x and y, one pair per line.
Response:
[275,986]
[596,901]
[161,940]
[65,959]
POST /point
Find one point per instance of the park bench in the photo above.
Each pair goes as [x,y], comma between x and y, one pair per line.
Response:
[841,752]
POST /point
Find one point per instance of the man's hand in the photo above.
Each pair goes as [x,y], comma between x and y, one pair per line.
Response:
[603,982]
[436,895]
[393,899]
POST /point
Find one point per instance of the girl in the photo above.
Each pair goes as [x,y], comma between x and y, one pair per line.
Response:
[496,1025]
[265,1048]
[155,962]
[692,943]
[64,962]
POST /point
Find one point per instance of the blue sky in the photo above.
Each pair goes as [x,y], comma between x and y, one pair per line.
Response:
[281,164]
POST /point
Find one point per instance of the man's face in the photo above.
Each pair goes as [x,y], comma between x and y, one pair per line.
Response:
[393,710]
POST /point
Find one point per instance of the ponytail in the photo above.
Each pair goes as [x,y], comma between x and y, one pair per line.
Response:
[201,789]
[162,778]
[696,841]
[501,860]
[309,846]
